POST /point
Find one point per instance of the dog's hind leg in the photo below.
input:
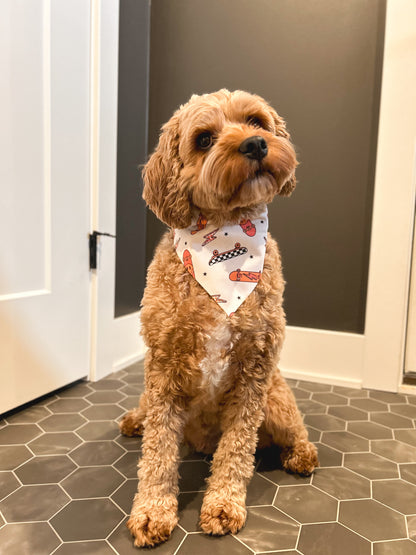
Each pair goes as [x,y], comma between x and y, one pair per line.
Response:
[284,424]
[132,422]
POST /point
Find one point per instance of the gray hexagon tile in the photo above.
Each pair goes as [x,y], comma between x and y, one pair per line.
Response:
[329,398]
[33,503]
[371,466]
[394,450]
[406,436]
[62,422]
[80,390]
[341,483]
[87,519]
[105,397]
[397,494]
[328,456]
[8,483]
[85,548]
[372,520]
[350,393]
[324,422]
[68,478]
[306,504]
[67,405]
[411,526]
[102,412]
[94,431]
[408,411]
[408,472]
[331,539]
[30,415]
[391,420]
[94,453]
[12,456]
[397,547]
[369,405]
[54,443]
[29,537]
[370,430]
[18,433]
[348,413]
[95,481]
[45,470]
[345,442]
[127,464]
[124,495]
[259,533]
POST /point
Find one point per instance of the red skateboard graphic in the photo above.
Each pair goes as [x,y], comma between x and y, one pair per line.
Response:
[250,277]
[187,262]
[221,256]
[248,227]
[217,299]
[200,224]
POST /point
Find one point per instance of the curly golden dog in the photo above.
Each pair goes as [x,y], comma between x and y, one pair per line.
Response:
[212,379]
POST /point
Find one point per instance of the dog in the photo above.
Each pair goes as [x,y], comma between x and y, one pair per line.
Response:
[211,366]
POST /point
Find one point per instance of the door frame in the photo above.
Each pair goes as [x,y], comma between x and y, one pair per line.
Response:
[115,342]
[374,359]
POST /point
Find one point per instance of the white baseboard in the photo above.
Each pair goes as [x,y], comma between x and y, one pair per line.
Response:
[323,356]
[320,378]
[128,346]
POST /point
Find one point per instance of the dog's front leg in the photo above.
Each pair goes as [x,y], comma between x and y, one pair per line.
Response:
[223,509]
[154,512]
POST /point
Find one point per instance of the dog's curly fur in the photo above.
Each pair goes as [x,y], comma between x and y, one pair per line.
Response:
[190,338]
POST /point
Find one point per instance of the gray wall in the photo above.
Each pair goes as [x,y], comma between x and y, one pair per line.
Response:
[131,151]
[319,64]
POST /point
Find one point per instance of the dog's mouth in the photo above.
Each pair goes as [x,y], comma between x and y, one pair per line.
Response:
[259,187]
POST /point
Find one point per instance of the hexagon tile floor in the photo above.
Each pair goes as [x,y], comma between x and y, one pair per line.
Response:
[67,478]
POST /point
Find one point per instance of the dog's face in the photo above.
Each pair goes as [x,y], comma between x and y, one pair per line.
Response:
[221,153]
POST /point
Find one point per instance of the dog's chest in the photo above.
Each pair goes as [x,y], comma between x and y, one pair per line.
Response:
[215,364]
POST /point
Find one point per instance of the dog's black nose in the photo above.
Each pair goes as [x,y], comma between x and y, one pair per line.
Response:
[254,147]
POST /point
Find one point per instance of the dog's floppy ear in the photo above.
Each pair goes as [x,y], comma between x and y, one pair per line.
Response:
[281,131]
[163,191]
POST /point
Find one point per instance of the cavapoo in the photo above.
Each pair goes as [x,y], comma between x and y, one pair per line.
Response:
[212,315]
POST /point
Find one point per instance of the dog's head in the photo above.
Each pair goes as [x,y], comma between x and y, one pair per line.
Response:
[221,153]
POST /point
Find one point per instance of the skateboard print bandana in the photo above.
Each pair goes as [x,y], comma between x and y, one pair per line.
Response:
[227,261]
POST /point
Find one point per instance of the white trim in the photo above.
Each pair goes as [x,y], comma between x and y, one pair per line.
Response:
[24,294]
[394,199]
[323,356]
[47,153]
[407,389]
[94,169]
[410,349]
[129,345]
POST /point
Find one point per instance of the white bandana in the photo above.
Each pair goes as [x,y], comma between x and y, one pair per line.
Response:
[228,261]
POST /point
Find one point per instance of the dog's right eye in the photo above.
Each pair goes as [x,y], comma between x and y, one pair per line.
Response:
[204,140]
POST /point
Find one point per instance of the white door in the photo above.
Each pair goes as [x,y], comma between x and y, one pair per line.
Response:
[45,197]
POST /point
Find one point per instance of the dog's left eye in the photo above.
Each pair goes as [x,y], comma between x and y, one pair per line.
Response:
[204,140]
[255,121]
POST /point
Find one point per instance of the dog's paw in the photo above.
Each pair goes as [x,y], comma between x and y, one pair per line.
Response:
[302,458]
[131,424]
[221,514]
[151,521]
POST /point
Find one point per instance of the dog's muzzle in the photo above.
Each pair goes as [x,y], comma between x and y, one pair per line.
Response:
[254,148]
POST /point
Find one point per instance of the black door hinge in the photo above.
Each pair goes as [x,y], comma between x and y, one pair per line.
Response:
[92,241]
